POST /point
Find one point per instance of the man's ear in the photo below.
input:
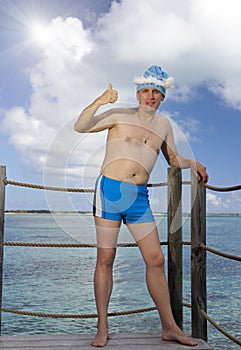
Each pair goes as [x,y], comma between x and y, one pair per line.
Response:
[137,96]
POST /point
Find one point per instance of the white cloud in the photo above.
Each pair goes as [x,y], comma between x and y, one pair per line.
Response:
[66,38]
[195,41]
[229,89]
[229,202]
[214,200]
[29,135]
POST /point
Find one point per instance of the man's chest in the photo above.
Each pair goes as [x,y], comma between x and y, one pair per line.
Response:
[137,136]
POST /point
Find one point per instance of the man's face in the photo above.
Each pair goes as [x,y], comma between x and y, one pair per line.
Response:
[150,97]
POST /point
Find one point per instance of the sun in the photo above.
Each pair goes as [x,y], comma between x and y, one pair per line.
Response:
[39,32]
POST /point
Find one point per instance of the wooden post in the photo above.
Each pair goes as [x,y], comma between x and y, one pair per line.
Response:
[2,208]
[175,243]
[198,259]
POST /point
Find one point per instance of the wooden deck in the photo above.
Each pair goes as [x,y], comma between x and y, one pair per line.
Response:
[120,341]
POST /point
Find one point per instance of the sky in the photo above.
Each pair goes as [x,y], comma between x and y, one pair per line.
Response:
[57,56]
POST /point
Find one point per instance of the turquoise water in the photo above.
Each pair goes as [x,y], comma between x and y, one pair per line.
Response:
[58,280]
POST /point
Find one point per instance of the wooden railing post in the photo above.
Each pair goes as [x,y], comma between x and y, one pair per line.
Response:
[2,208]
[175,243]
[198,259]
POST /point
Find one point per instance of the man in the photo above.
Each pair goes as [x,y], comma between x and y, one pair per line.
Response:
[135,138]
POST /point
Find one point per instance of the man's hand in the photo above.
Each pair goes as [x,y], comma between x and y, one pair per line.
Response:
[109,96]
[200,172]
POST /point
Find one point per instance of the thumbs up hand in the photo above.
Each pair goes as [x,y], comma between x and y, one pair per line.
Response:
[109,95]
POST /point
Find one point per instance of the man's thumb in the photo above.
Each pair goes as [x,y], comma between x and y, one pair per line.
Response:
[109,86]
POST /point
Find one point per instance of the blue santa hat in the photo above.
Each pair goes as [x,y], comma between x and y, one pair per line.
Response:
[154,77]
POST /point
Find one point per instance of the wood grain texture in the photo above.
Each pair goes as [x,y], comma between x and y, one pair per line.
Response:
[120,341]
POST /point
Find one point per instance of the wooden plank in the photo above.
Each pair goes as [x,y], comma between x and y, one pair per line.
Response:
[120,341]
[198,260]
[175,243]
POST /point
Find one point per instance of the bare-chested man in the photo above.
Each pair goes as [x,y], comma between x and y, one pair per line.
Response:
[135,138]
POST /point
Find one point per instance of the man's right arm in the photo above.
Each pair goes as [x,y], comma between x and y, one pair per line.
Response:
[87,122]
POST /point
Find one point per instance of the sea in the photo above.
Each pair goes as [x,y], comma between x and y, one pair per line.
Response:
[60,280]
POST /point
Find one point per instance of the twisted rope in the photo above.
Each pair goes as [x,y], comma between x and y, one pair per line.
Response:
[217,252]
[68,189]
[51,188]
[72,245]
[228,335]
[49,245]
[110,314]
[187,305]
[221,189]
[159,184]
[50,315]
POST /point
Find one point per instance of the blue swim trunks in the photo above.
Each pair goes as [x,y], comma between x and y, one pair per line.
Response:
[117,200]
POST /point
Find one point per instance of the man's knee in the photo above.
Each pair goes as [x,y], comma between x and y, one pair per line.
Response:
[106,257]
[156,260]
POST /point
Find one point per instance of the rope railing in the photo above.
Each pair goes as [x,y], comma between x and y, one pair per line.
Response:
[55,315]
[220,329]
[217,252]
[50,188]
[69,189]
[221,189]
[73,245]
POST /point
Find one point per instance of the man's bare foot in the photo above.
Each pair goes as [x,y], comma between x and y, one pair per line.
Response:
[179,336]
[101,337]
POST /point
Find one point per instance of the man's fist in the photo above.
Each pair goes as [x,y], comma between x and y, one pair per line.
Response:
[109,96]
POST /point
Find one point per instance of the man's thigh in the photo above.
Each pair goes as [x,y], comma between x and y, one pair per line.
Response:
[142,230]
[147,239]
[107,232]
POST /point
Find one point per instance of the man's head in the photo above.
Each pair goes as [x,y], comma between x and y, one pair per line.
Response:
[150,97]
[154,77]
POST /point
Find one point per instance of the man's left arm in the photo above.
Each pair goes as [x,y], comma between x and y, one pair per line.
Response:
[177,161]
[198,169]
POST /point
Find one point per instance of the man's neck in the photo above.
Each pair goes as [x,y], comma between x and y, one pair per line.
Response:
[146,112]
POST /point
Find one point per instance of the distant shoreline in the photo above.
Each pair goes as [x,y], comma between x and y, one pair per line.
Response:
[43,211]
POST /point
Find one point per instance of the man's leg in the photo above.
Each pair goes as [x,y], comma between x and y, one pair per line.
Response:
[107,234]
[146,236]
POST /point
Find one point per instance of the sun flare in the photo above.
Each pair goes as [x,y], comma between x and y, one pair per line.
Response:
[39,32]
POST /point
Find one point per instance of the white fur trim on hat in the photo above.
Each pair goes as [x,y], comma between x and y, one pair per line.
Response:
[165,83]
